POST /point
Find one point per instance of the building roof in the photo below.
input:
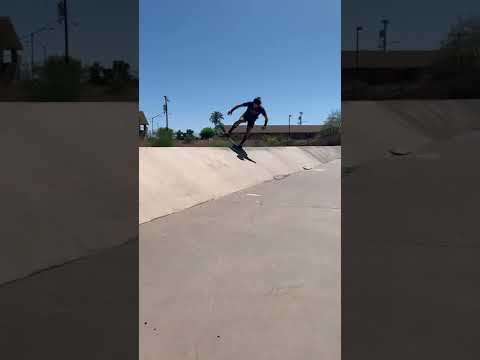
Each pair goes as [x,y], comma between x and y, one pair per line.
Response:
[278,129]
[142,120]
[8,37]
[390,60]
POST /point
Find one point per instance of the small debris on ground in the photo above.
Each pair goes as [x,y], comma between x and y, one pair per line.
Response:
[399,152]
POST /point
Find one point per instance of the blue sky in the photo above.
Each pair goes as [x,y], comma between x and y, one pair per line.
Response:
[213,54]
[414,24]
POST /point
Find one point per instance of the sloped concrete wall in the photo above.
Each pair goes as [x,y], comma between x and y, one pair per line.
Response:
[375,127]
[68,184]
[172,179]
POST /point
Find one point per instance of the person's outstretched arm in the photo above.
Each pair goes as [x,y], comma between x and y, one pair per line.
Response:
[236,107]
[264,113]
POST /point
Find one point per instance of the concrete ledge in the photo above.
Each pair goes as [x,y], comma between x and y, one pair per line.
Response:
[173,179]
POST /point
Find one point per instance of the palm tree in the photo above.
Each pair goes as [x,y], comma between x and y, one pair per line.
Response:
[216,118]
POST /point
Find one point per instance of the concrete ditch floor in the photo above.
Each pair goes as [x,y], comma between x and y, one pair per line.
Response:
[410,254]
[86,309]
[253,275]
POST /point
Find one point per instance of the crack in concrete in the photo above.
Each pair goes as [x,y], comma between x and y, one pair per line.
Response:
[68,262]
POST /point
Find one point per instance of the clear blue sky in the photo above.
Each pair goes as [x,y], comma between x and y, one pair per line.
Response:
[414,24]
[210,55]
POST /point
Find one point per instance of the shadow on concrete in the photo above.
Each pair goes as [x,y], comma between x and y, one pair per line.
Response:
[241,153]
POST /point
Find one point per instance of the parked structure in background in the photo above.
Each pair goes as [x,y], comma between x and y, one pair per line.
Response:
[297,132]
[378,66]
[368,72]
[10,46]
[142,125]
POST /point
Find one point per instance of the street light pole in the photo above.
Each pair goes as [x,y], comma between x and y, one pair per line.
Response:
[32,43]
[385,24]
[67,57]
[33,49]
[357,53]
[289,119]
[153,122]
[300,118]
[166,111]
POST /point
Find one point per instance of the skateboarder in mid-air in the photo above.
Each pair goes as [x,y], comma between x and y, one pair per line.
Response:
[254,109]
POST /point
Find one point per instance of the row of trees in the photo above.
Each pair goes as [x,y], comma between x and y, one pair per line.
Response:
[57,80]
[167,137]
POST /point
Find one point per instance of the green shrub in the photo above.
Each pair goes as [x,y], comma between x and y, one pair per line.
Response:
[189,136]
[334,119]
[163,138]
[59,81]
[329,131]
[207,133]
[271,140]
[180,135]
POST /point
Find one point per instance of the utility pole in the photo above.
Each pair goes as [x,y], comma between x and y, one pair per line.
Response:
[32,61]
[383,34]
[357,62]
[67,55]
[165,109]
[63,16]
[289,119]
[357,52]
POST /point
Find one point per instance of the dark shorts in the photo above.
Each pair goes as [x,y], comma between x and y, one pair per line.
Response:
[250,121]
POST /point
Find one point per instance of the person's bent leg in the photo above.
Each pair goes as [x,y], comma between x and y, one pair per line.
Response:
[235,125]
[247,133]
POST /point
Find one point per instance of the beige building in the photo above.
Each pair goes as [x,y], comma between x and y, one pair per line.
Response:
[300,132]
[377,67]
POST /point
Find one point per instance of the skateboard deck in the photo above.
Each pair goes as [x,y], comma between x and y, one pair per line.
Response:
[241,153]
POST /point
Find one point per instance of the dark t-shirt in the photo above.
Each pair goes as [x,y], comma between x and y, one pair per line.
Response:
[251,113]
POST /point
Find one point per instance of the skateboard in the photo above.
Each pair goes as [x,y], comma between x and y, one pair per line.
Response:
[242,155]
